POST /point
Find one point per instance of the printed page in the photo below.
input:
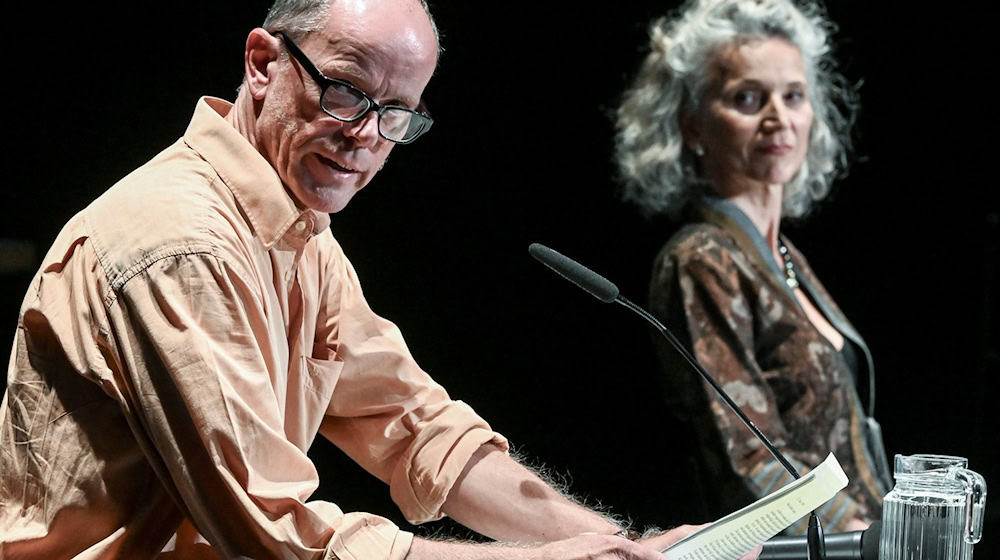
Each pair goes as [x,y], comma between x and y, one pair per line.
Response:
[737,533]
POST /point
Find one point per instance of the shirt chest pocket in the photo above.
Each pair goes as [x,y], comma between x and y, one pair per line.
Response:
[306,410]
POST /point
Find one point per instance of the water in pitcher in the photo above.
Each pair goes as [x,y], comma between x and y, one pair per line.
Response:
[935,510]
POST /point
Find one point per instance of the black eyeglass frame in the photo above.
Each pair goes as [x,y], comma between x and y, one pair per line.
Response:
[324,82]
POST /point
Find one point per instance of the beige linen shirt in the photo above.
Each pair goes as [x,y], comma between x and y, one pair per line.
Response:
[187,336]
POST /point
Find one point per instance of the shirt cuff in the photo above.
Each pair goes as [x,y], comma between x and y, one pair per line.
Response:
[422,480]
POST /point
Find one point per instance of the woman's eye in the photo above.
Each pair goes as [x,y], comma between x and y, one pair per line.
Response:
[747,101]
[794,98]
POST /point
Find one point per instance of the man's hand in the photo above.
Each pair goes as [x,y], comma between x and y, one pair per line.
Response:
[665,539]
[591,546]
[856,525]
[662,541]
[598,547]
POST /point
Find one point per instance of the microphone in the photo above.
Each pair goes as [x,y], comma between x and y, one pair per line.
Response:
[591,282]
[604,290]
[856,545]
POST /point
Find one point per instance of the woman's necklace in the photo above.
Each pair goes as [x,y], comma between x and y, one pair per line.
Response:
[790,278]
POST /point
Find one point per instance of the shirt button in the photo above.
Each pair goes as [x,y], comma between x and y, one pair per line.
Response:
[300,226]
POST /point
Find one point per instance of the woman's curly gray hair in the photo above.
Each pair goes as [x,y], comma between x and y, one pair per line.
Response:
[658,170]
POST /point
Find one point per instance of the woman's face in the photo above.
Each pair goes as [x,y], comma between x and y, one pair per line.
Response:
[753,125]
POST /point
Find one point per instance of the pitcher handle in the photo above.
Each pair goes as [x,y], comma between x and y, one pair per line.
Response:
[975,504]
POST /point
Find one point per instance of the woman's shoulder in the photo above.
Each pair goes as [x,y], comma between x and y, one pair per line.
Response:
[698,242]
[702,252]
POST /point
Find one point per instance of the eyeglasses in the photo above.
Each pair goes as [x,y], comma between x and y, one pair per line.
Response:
[346,103]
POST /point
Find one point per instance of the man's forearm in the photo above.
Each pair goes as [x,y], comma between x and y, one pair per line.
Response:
[498,497]
[583,547]
[586,547]
[426,549]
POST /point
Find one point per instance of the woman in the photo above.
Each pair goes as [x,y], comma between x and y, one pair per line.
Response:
[736,121]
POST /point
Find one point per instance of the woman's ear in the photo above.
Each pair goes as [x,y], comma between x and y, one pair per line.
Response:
[689,132]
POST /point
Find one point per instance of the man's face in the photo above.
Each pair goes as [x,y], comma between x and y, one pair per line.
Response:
[385,48]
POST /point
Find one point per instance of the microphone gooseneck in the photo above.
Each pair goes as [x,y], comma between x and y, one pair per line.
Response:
[606,291]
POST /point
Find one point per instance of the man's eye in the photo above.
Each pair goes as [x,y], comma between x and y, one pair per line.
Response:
[341,95]
[340,88]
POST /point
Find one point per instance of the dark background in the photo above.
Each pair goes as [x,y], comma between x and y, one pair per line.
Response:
[520,152]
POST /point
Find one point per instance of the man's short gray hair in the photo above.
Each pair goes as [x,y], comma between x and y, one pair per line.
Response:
[658,170]
[296,17]
[299,17]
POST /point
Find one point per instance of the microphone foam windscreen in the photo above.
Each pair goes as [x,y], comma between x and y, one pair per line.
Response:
[591,282]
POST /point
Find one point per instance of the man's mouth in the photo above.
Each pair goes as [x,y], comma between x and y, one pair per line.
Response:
[336,165]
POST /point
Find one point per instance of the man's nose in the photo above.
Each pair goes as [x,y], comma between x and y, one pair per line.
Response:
[364,130]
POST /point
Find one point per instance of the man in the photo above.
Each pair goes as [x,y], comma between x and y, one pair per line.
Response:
[191,331]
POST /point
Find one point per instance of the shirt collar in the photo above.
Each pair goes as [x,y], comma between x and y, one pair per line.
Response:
[269,208]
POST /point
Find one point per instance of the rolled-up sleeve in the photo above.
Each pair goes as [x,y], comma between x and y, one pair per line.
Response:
[386,412]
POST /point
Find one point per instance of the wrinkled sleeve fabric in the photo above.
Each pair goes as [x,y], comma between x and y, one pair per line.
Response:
[704,286]
[188,328]
[387,413]
[191,332]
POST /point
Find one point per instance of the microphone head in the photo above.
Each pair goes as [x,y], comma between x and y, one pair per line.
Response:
[590,281]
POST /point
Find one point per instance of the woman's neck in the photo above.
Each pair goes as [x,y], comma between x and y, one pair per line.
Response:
[763,206]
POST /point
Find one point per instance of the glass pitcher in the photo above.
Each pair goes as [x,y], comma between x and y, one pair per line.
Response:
[935,512]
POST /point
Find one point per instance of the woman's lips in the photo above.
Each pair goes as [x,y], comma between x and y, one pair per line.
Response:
[775,149]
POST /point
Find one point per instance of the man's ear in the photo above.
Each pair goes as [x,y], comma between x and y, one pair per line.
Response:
[261,50]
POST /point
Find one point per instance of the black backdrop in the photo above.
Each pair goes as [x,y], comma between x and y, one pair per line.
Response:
[520,152]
